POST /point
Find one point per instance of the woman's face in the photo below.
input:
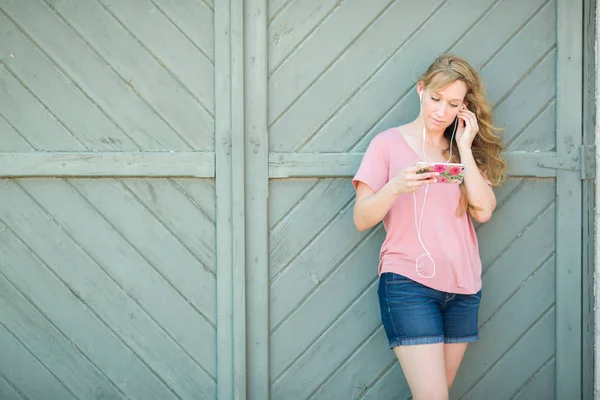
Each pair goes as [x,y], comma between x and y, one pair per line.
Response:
[439,109]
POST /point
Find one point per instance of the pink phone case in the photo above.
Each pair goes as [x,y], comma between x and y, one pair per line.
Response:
[449,172]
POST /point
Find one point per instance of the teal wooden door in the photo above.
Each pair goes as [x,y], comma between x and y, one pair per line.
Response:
[339,73]
[107,243]
[176,206]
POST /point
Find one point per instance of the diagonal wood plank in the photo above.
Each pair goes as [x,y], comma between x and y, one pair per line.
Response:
[529,354]
[72,316]
[526,41]
[293,25]
[38,127]
[90,73]
[181,107]
[307,271]
[195,19]
[394,77]
[10,138]
[294,335]
[353,377]
[284,194]
[200,192]
[391,385]
[541,385]
[540,133]
[276,7]
[318,52]
[19,366]
[323,356]
[309,217]
[509,324]
[512,218]
[340,79]
[511,269]
[118,309]
[7,391]
[528,98]
[168,44]
[51,347]
[185,221]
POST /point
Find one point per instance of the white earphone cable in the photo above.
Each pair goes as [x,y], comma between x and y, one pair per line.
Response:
[419,220]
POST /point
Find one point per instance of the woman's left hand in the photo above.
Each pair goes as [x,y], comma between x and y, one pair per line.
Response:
[467,128]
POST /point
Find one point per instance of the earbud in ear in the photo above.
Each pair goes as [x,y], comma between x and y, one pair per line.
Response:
[421,96]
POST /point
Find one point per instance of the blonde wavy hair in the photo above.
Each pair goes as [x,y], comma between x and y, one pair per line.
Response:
[487,146]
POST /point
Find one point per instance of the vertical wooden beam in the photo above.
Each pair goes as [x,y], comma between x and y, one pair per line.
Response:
[238,188]
[230,183]
[568,186]
[589,198]
[257,181]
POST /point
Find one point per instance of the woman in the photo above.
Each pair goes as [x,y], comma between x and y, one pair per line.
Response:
[430,269]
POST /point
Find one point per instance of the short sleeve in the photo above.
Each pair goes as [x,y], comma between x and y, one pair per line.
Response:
[374,167]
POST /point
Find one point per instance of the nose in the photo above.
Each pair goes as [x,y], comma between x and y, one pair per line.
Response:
[441,109]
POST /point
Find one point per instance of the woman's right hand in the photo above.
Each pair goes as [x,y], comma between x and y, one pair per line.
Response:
[408,180]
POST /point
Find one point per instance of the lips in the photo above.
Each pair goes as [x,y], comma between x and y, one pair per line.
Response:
[437,121]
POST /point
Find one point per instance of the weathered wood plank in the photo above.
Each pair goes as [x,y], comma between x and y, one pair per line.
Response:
[525,44]
[10,139]
[510,322]
[51,347]
[238,200]
[520,211]
[324,306]
[37,127]
[521,53]
[179,215]
[275,7]
[200,192]
[391,385]
[195,20]
[256,168]
[308,62]
[324,356]
[7,392]
[103,164]
[168,45]
[184,107]
[225,53]
[118,309]
[78,322]
[185,307]
[569,90]
[540,133]
[541,385]
[292,26]
[19,366]
[525,357]
[314,264]
[301,165]
[396,78]
[309,217]
[355,375]
[101,85]
[58,109]
[284,194]
[318,78]
[518,262]
[528,98]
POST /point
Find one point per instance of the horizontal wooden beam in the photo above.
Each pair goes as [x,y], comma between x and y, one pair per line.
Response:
[103,164]
[299,165]
[202,164]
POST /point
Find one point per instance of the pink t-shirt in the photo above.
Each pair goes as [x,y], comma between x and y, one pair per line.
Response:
[451,240]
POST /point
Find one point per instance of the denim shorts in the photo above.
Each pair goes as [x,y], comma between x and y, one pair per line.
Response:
[416,314]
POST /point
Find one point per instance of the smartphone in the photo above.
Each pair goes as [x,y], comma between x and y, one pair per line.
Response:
[448,172]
